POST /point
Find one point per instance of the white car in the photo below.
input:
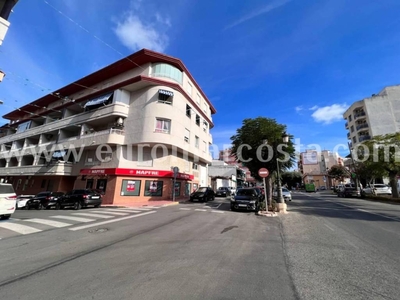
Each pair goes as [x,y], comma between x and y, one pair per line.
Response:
[22,200]
[377,189]
[287,195]
[8,200]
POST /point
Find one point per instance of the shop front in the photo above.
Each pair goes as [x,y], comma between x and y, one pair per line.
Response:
[129,186]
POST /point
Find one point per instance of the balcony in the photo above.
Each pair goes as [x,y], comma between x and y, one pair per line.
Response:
[108,136]
[346,125]
[362,126]
[364,138]
[348,135]
[54,169]
[359,115]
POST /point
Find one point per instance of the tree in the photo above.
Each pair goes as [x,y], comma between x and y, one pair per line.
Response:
[258,144]
[381,155]
[338,172]
[291,178]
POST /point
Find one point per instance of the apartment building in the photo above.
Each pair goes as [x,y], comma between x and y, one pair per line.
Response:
[130,130]
[314,166]
[376,115]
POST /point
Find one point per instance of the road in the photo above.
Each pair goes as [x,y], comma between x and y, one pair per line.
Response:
[186,251]
[324,248]
[340,248]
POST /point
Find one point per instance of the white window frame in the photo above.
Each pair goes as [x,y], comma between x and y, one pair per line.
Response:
[164,129]
[196,141]
[187,135]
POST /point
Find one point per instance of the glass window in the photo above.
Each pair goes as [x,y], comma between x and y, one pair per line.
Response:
[153,188]
[349,118]
[196,141]
[188,111]
[163,125]
[189,89]
[187,135]
[204,146]
[198,120]
[130,187]
[165,70]
[177,189]
[352,128]
[24,126]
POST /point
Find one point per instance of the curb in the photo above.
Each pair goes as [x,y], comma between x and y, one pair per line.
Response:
[268,214]
[170,204]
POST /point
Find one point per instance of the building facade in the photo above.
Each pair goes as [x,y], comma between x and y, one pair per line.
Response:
[314,167]
[376,115]
[131,130]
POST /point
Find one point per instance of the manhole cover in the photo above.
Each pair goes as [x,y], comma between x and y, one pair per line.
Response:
[98,230]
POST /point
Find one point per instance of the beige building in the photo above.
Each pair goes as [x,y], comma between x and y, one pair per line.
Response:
[123,130]
[314,167]
[376,115]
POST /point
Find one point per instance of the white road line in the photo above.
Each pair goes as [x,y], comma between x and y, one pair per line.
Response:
[184,208]
[131,208]
[217,211]
[197,209]
[329,227]
[48,222]
[110,212]
[94,215]
[19,228]
[351,244]
[152,207]
[84,220]
[122,210]
[112,221]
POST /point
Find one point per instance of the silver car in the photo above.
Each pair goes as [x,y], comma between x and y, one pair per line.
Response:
[377,189]
[287,195]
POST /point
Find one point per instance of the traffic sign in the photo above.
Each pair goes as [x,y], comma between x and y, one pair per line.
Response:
[263,172]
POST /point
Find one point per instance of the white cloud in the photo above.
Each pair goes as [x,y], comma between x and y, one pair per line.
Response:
[258,12]
[329,114]
[299,108]
[315,107]
[135,34]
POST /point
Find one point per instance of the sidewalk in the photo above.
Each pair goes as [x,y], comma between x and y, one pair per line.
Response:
[143,204]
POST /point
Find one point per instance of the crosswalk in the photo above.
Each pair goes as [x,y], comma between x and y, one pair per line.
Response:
[27,226]
[206,208]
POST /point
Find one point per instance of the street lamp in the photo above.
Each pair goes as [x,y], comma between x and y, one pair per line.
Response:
[280,200]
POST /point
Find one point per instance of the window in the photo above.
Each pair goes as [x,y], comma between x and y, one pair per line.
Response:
[198,120]
[354,139]
[23,126]
[205,109]
[189,89]
[165,97]
[188,111]
[198,99]
[204,146]
[349,118]
[130,187]
[205,126]
[352,128]
[177,189]
[165,70]
[153,188]
[195,166]
[163,125]
[196,141]
[187,135]
[99,102]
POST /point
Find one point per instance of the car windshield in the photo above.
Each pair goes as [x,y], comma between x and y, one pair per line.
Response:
[201,190]
[245,192]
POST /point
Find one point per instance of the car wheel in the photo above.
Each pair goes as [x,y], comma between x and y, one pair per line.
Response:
[97,206]
[58,206]
[27,207]
[5,217]
[77,205]
[39,207]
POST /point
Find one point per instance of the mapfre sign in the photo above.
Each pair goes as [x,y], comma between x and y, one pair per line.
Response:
[263,172]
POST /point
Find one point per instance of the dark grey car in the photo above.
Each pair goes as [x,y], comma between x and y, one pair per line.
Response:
[245,199]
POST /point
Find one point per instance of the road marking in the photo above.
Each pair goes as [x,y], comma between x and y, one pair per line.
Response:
[19,228]
[184,208]
[351,244]
[94,215]
[329,227]
[217,211]
[112,221]
[78,219]
[122,210]
[110,212]
[131,208]
[197,209]
[48,222]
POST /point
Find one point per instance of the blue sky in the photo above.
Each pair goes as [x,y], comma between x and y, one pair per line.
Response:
[301,62]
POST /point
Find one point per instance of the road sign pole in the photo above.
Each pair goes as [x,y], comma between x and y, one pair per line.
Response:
[265,195]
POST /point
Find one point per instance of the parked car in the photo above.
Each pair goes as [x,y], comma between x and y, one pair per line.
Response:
[202,194]
[44,200]
[245,199]
[348,191]
[22,200]
[8,200]
[286,194]
[377,189]
[223,191]
[79,198]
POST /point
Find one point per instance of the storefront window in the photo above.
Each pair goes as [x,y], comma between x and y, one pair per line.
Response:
[101,185]
[130,187]
[89,184]
[177,189]
[187,189]
[153,188]
[195,187]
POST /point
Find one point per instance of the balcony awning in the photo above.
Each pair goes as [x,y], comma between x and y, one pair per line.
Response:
[98,100]
[167,93]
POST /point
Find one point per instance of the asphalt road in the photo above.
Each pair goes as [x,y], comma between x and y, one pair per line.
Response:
[343,248]
[186,251]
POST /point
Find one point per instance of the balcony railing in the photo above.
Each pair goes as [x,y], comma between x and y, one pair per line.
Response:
[346,125]
[364,138]
[359,114]
[361,126]
[348,135]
